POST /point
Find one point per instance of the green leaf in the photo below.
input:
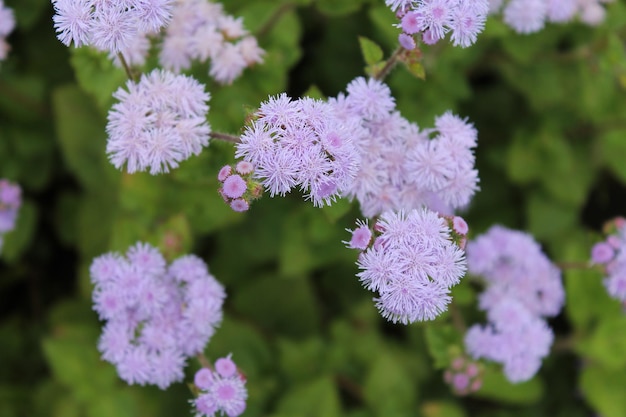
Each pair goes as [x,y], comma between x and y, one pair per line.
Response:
[250,350]
[314,92]
[27,12]
[302,360]
[97,75]
[442,341]
[389,389]
[315,398]
[372,53]
[265,299]
[417,69]
[547,218]
[586,298]
[496,387]
[19,239]
[613,152]
[80,129]
[75,362]
[607,344]
[338,7]
[604,390]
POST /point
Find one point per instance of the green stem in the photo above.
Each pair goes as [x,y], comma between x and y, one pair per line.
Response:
[129,72]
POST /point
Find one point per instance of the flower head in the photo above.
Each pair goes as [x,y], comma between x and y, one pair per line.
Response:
[157,316]
[412,265]
[157,123]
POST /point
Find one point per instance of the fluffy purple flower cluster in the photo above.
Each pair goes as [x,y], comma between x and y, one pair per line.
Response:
[611,253]
[528,16]
[301,143]
[158,122]
[523,286]
[111,26]
[358,145]
[201,30]
[157,315]
[7,24]
[412,263]
[10,202]
[401,167]
[464,376]
[433,19]
[222,390]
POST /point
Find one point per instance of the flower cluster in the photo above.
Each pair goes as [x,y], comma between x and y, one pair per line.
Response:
[7,24]
[412,263]
[10,202]
[401,167]
[611,253]
[528,16]
[111,26]
[222,390]
[523,286]
[301,143]
[433,19]
[158,122]
[157,315]
[200,30]
[463,375]
[238,188]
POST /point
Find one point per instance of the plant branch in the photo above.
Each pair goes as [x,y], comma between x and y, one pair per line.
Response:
[389,65]
[274,18]
[225,137]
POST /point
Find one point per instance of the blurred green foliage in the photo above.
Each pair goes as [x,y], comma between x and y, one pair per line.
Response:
[550,109]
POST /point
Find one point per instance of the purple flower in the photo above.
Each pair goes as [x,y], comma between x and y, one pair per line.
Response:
[513,266]
[234,186]
[300,143]
[239,205]
[525,16]
[612,254]
[157,316]
[10,202]
[602,252]
[406,41]
[202,31]
[514,337]
[361,236]
[412,265]
[435,18]
[114,27]
[157,122]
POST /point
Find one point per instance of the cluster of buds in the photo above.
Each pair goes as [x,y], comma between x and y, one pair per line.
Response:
[611,254]
[464,375]
[222,389]
[238,187]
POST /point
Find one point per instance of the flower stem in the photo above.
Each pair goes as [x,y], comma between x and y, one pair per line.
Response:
[204,362]
[389,65]
[274,18]
[574,265]
[129,72]
[225,137]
